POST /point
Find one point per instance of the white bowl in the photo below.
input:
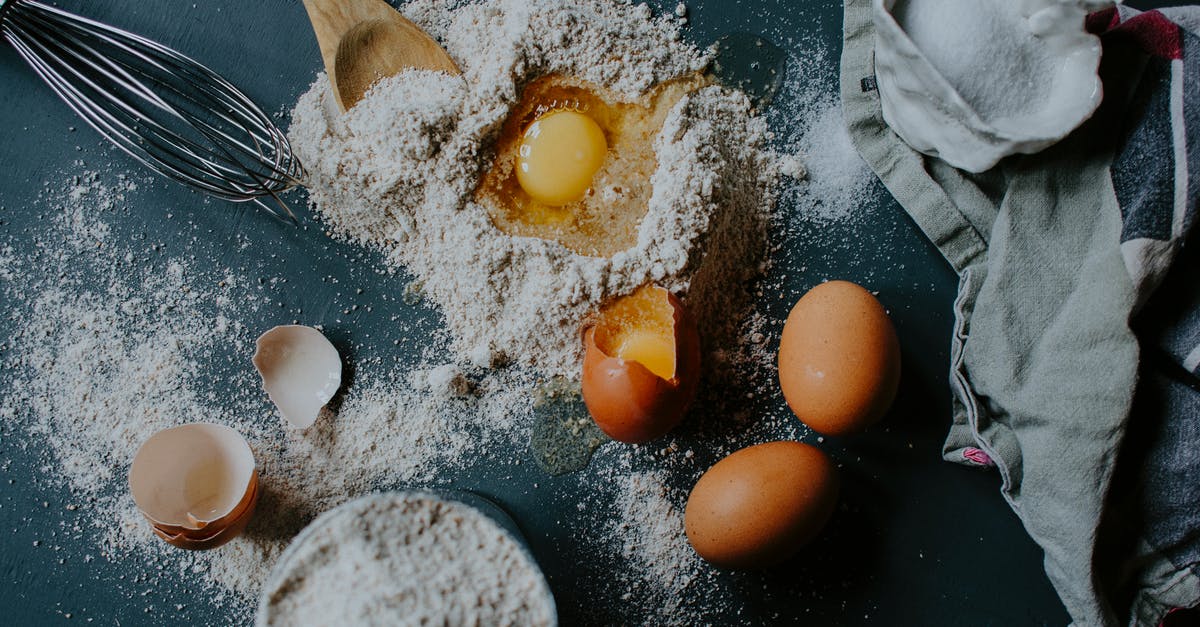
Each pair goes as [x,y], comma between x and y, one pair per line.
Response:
[974,82]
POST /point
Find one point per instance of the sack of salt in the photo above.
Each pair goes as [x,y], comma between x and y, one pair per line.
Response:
[971,82]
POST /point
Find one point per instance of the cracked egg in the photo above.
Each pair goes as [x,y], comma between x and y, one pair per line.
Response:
[573,163]
[641,365]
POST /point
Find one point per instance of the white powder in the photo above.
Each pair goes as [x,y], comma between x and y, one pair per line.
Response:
[406,559]
[105,359]
[648,528]
[986,51]
[398,171]
[116,336]
[6,263]
[839,181]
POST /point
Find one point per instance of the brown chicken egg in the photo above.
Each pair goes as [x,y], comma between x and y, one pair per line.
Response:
[759,505]
[641,365]
[839,359]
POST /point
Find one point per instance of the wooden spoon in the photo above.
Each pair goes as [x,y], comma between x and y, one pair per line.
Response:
[363,41]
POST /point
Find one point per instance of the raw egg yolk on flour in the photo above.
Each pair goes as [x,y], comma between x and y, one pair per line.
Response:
[574,163]
[558,156]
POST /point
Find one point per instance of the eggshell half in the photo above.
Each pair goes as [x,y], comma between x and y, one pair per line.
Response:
[219,531]
[759,505]
[300,369]
[629,402]
[839,359]
[195,484]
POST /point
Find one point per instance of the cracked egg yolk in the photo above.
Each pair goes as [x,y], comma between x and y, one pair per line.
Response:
[559,154]
[655,351]
[641,365]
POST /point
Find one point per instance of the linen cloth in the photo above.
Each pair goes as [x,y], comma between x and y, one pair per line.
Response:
[1076,344]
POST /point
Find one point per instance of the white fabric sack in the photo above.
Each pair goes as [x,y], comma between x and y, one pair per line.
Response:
[973,81]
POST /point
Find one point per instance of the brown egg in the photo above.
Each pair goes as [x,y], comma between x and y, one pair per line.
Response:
[641,365]
[758,506]
[839,359]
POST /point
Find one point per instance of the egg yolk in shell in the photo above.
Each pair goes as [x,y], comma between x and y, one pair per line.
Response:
[640,328]
[559,155]
[654,351]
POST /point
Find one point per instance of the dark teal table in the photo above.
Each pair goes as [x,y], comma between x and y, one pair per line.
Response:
[917,542]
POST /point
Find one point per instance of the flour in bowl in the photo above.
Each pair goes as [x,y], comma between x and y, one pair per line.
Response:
[405,559]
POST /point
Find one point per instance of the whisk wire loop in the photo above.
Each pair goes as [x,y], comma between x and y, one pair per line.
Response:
[177,117]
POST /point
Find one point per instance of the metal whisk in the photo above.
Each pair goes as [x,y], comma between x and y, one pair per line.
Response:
[174,115]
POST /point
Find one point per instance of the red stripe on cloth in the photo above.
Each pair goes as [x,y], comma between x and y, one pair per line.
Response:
[1102,21]
[1151,31]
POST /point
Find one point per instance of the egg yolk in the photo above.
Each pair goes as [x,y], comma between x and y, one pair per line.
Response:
[650,349]
[640,327]
[558,156]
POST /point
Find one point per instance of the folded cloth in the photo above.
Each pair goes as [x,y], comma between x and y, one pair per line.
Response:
[1062,256]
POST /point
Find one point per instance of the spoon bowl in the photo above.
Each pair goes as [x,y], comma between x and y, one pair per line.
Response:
[363,41]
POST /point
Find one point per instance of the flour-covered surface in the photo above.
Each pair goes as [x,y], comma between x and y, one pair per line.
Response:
[129,305]
[398,172]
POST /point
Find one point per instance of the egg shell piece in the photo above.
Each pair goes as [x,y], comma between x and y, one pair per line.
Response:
[219,531]
[195,482]
[629,402]
[759,505]
[839,359]
[300,369]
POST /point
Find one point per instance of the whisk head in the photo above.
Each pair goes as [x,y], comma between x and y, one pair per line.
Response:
[174,115]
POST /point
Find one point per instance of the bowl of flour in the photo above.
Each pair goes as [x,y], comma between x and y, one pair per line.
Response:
[408,558]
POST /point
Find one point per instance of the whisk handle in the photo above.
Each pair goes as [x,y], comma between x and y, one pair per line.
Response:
[4,8]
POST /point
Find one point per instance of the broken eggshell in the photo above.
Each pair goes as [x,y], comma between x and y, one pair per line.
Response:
[301,371]
[626,398]
[196,484]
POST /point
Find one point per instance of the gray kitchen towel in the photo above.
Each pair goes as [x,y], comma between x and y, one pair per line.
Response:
[1074,352]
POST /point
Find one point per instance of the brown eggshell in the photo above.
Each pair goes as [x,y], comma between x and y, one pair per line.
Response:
[839,359]
[632,404]
[196,484]
[217,532]
[759,505]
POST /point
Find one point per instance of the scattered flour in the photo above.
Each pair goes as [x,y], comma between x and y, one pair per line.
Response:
[398,171]
[6,263]
[648,528]
[104,358]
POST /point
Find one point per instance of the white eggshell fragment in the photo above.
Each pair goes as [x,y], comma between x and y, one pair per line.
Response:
[195,483]
[301,371]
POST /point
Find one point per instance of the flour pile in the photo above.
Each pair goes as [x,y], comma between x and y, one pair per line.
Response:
[398,559]
[113,333]
[398,171]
